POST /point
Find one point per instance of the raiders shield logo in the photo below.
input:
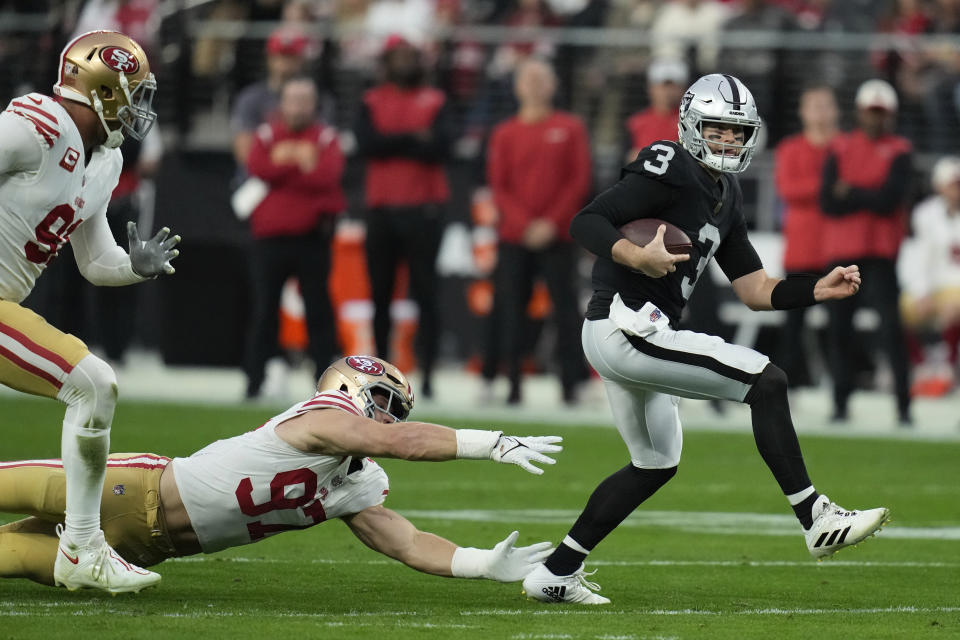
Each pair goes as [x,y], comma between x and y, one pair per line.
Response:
[685,102]
[365,365]
[119,59]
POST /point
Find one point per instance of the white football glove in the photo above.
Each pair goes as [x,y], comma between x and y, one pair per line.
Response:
[150,258]
[503,563]
[523,451]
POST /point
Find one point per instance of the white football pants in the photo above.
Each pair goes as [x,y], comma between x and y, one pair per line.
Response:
[644,377]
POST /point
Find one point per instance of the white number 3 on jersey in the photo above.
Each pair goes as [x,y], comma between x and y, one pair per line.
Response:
[659,164]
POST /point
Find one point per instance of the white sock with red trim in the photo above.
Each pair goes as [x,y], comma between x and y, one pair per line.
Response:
[90,393]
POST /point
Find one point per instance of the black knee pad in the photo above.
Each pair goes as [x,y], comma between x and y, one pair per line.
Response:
[772,381]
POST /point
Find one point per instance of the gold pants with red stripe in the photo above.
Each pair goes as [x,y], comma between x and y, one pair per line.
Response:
[35,357]
[130,513]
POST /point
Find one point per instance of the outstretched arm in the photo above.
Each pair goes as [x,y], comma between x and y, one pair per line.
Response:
[393,535]
[338,433]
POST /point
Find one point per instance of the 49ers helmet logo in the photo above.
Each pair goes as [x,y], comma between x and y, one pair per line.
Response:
[365,365]
[119,59]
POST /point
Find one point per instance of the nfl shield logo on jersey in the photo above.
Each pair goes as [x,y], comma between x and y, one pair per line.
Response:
[655,315]
[119,490]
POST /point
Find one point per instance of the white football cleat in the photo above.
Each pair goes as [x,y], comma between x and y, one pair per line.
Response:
[541,584]
[835,528]
[97,566]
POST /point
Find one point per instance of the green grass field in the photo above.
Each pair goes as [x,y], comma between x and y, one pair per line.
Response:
[715,554]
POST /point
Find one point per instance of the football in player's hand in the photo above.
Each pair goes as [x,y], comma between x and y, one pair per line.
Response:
[643,230]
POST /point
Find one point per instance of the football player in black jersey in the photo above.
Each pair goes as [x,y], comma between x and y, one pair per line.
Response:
[630,334]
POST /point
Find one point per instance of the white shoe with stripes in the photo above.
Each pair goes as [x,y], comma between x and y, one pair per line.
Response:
[98,566]
[835,528]
[541,584]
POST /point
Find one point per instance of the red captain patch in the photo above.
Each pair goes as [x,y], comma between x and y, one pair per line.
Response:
[365,365]
[119,59]
[69,160]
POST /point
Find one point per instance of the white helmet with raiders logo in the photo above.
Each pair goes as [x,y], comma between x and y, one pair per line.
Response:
[719,98]
[109,72]
[361,376]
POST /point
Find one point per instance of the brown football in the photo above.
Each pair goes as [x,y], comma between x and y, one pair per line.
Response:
[643,230]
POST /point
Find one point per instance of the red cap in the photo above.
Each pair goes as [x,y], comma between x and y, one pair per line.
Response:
[287,42]
[395,41]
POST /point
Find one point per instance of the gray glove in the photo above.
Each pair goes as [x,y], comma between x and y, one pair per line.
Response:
[152,257]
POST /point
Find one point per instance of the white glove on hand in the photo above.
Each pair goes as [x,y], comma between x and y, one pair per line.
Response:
[521,451]
[503,563]
[151,257]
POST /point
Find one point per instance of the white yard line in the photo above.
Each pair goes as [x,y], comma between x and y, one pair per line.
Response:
[607,563]
[705,612]
[694,521]
[85,609]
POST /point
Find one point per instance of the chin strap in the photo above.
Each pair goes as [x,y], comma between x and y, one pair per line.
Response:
[114,137]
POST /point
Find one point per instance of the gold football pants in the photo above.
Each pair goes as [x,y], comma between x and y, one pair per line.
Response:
[35,357]
[130,513]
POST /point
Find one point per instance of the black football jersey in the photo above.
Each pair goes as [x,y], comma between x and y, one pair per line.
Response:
[665,182]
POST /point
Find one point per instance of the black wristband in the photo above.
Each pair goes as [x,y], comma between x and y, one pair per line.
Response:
[794,292]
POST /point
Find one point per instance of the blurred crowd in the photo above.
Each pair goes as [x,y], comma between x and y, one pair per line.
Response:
[405,89]
[201,47]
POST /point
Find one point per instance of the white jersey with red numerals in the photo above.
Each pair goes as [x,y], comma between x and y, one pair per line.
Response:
[39,209]
[243,489]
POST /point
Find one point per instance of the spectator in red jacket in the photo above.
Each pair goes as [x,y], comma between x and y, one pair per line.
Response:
[538,168]
[798,174]
[286,50]
[866,180]
[404,133]
[666,81]
[299,158]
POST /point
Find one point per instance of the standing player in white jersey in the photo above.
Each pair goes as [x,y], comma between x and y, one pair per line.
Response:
[302,467]
[59,163]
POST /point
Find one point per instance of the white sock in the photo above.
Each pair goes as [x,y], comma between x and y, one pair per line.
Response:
[576,546]
[84,453]
[90,393]
[796,498]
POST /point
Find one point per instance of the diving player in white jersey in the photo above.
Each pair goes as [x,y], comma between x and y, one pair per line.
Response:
[302,467]
[59,164]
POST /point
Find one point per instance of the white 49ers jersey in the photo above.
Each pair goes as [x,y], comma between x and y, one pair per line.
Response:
[39,209]
[246,488]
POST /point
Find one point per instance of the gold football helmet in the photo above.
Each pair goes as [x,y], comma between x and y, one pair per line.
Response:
[361,376]
[109,72]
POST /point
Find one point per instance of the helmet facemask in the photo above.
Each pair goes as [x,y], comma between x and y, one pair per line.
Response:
[135,118]
[395,406]
[722,159]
